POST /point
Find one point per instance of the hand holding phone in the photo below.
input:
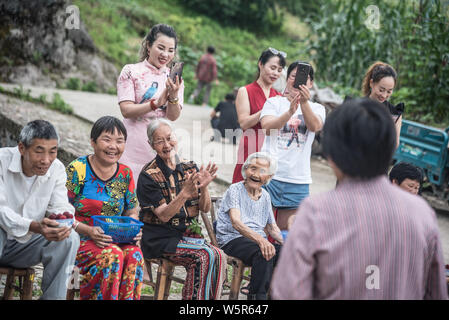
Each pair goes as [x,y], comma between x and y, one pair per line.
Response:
[176,70]
[302,74]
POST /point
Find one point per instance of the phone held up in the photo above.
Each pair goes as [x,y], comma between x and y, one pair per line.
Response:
[302,73]
[176,70]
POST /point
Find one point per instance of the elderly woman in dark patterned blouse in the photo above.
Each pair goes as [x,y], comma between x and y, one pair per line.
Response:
[171,192]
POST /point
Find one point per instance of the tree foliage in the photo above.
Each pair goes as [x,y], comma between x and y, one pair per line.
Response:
[411,36]
[260,16]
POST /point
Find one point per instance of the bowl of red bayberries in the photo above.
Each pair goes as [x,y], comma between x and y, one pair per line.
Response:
[64,219]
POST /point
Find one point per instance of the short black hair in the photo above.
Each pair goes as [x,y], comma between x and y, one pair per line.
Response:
[37,129]
[295,64]
[211,49]
[107,124]
[230,97]
[405,170]
[359,136]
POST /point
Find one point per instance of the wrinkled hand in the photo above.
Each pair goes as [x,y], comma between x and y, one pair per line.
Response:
[97,235]
[190,187]
[267,249]
[205,176]
[51,231]
[173,87]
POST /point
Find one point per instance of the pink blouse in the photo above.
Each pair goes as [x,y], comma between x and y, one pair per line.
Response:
[132,84]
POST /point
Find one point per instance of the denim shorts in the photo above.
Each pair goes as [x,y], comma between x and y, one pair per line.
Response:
[286,195]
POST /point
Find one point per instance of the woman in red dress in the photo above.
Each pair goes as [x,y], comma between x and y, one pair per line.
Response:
[249,102]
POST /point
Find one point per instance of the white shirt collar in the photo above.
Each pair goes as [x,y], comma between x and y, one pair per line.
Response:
[16,164]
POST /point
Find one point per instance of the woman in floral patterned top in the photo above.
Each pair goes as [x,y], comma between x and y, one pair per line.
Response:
[98,185]
[145,93]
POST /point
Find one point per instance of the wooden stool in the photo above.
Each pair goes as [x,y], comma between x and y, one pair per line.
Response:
[164,277]
[25,288]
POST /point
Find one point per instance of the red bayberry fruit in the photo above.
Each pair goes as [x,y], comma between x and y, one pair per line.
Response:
[52,216]
[60,216]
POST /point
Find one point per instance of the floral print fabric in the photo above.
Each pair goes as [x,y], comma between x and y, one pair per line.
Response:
[116,271]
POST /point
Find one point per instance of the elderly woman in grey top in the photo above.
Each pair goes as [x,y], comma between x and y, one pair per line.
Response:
[245,218]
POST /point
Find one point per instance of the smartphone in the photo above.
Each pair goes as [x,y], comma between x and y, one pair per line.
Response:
[176,70]
[302,73]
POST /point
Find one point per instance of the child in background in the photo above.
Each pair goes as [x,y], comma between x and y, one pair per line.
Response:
[407,177]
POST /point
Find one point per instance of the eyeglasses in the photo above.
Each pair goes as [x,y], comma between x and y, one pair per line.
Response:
[277,52]
[162,140]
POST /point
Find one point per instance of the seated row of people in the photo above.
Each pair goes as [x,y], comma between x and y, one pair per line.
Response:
[171,191]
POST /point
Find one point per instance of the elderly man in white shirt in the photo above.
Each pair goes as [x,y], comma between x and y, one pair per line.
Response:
[32,186]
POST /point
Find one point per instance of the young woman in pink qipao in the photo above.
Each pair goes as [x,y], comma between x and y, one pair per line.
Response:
[145,93]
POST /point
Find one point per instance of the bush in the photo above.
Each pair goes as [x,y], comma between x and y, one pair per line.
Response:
[59,104]
[73,84]
[90,86]
[259,16]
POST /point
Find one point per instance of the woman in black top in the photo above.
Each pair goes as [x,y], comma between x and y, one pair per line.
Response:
[171,191]
[378,84]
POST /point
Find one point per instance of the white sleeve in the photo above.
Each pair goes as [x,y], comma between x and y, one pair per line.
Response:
[10,221]
[320,111]
[270,108]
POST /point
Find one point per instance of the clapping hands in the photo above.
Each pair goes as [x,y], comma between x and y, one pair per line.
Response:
[205,176]
[200,179]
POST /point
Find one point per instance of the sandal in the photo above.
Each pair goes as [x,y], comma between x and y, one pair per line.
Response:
[244,290]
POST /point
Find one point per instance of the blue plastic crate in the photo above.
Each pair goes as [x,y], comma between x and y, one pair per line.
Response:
[122,229]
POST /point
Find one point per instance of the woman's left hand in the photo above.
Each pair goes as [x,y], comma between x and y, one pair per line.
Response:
[205,176]
[173,87]
[138,237]
[305,94]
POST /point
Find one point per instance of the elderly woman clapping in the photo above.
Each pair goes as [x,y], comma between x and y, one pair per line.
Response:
[244,219]
[171,192]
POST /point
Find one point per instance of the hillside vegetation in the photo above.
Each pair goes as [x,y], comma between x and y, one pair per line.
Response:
[118,28]
[332,35]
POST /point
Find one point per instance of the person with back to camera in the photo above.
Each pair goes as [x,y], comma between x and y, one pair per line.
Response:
[205,73]
[290,122]
[366,239]
[145,93]
[226,122]
[249,102]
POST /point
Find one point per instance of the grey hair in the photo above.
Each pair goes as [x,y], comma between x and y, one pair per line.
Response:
[37,129]
[261,155]
[154,125]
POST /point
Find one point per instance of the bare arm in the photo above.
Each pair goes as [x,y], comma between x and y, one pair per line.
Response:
[274,231]
[312,121]
[270,122]
[246,120]
[204,202]
[267,249]
[173,109]
[398,125]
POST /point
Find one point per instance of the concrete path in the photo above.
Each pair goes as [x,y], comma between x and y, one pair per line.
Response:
[192,128]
